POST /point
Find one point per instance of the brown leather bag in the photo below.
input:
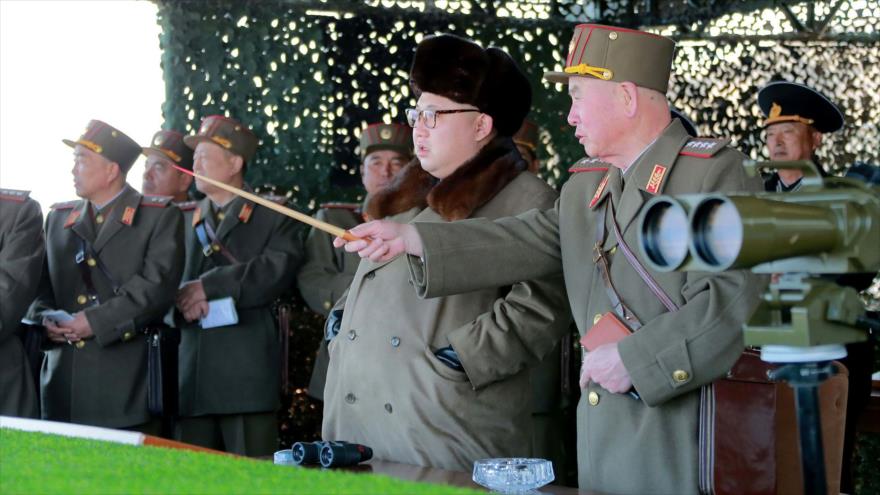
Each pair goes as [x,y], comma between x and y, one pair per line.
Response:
[737,430]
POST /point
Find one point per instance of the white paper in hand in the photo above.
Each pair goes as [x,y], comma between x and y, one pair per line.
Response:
[57,315]
[221,313]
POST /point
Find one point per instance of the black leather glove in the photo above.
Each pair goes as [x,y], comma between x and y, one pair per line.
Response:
[331,327]
[449,357]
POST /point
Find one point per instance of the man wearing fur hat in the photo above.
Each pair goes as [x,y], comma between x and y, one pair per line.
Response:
[444,382]
[229,375]
[638,420]
[113,262]
[327,272]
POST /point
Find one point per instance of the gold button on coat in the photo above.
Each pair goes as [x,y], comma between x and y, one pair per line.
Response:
[99,219]
[221,216]
[597,318]
[593,398]
[612,35]
[81,299]
[127,336]
[680,375]
[328,305]
[80,344]
[215,247]
[91,262]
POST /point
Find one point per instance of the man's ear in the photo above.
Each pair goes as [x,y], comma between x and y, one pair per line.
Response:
[629,97]
[113,172]
[237,164]
[815,139]
[483,126]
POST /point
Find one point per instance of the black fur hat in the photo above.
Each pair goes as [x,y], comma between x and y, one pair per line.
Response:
[463,71]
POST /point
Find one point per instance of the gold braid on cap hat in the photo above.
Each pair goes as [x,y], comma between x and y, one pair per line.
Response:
[97,148]
[589,70]
[525,143]
[222,141]
[776,117]
[174,156]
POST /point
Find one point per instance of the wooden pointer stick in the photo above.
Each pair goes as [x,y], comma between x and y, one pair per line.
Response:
[326,227]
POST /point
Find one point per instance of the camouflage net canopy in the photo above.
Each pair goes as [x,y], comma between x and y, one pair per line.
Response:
[307,76]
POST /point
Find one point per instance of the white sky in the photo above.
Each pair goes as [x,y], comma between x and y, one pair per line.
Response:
[63,63]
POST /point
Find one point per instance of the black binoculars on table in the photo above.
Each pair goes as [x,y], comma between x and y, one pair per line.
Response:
[330,454]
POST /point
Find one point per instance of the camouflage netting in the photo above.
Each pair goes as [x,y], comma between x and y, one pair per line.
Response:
[308,75]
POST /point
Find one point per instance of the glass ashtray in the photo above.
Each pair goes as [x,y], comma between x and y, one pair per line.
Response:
[513,475]
[284,457]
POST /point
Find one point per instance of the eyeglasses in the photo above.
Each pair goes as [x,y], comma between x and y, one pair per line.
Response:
[429,117]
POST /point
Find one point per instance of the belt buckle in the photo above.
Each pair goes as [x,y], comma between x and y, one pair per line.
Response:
[206,250]
[80,257]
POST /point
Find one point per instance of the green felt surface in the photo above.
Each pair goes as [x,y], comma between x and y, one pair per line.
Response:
[35,463]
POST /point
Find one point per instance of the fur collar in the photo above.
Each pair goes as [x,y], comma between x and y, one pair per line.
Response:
[456,197]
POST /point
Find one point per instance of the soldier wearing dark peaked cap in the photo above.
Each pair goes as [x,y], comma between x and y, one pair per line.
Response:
[526,140]
[327,272]
[114,260]
[166,151]
[796,117]
[229,375]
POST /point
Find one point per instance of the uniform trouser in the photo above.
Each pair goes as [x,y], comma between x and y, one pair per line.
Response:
[253,435]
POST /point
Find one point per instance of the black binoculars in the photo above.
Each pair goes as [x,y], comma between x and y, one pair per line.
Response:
[330,454]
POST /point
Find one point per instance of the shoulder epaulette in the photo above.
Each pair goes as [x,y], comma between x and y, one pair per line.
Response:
[703,147]
[341,206]
[275,198]
[188,205]
[157,201]
[14,195]
[589,165]
[65,205]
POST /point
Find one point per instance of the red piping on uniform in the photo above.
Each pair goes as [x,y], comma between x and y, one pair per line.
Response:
[587,169]
[698,155]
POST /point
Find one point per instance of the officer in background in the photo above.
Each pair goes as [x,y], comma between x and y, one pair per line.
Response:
[526,141]
[797,117]
[229,375]
[114,260]
[22,248]
[166,151]
[327,272]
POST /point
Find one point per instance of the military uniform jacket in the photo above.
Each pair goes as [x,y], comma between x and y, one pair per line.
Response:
[22,248]
[386,388]
[326,272]
[103,380]
[624,445]
[235,369]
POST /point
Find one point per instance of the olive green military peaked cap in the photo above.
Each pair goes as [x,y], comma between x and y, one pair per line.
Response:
[169,145]
[228,133]
[527,135]
[395,137]
[618,54]
[109,142]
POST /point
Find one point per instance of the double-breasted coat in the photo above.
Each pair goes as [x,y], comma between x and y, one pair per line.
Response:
[235,369]
[325,275]
[22,248]
[135,258]
[387,389]
[625,445]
